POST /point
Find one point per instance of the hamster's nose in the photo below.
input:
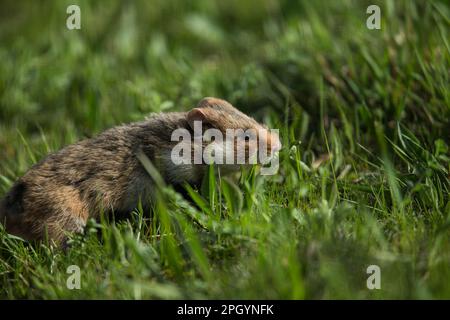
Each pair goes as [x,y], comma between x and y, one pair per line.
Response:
[275,143]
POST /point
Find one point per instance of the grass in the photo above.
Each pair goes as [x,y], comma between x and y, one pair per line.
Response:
[364,172]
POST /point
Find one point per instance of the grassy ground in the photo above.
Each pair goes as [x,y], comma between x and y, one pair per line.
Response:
[363,114]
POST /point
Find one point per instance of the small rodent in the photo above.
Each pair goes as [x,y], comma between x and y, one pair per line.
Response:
[60,193]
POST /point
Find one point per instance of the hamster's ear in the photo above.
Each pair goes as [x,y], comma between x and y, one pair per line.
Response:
[209,111]
[212,102]
[196,114]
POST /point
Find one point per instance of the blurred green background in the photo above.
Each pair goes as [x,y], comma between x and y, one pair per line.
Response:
[364,117]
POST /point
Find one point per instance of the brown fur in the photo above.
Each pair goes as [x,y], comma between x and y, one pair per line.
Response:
[59,194]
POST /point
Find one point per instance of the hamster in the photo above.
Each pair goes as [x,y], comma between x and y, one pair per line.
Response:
[104,174]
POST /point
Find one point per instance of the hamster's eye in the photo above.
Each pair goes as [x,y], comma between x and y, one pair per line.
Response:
[247,138]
